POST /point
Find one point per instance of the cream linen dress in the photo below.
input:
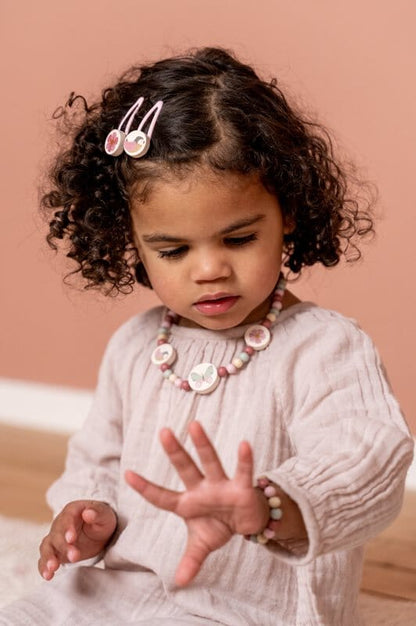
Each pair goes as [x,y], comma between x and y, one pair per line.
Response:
[324,425]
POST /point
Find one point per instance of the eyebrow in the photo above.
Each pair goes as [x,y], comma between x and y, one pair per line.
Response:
[244,223]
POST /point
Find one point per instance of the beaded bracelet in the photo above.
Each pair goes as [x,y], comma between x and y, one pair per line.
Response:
[276,512]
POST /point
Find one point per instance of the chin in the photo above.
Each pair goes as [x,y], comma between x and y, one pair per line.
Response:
[220,322]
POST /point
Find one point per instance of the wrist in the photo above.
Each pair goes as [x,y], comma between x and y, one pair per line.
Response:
[264,509]
[273,513]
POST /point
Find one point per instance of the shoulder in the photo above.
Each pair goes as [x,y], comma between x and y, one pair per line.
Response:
[311,332]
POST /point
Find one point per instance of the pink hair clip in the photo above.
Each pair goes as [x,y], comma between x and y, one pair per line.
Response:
[137,142]
[114,143]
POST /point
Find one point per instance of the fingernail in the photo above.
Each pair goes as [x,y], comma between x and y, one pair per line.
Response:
[71,556]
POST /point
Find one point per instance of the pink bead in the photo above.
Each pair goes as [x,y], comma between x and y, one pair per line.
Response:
[178,382]
[185,385]
[249,350]
[270,491]
[166,324]
[267,323]
[269,533]
[263,482]
[231,369]
[164,367]
[222,371]
[160,342]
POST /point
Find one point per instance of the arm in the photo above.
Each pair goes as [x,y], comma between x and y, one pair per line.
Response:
[84,498]
[352,445]
[92,463]
[343,484]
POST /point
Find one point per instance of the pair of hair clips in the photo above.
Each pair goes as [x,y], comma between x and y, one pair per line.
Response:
[135,143]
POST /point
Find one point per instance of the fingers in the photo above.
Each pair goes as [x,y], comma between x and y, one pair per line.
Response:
[49,561]
[56,548]
[187,468]
[72,522]
[158,496]
[183,462]
[244,471]
[180,459]
[190,563]
[79,531]
[99,521]
[206,452]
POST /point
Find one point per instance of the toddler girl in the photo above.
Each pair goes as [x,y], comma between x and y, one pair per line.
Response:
[197,179]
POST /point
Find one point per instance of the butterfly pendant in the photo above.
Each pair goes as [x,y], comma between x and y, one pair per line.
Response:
[203,378]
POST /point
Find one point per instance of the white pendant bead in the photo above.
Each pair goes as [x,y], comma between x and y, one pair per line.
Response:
[203,378]
[257,337]
[164,354]
[114,143]
[136,144]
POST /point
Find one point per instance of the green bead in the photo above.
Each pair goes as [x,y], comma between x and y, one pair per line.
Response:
[276,514]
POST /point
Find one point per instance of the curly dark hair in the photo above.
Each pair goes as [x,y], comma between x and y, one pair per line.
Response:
[216,112]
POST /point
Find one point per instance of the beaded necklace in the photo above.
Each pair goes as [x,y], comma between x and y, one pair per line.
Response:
[205,377]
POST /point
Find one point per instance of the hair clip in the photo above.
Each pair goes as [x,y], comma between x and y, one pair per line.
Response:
[137,142]
[114,143]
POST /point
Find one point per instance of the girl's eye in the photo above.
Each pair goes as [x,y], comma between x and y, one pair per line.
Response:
[172,253]
[240,241]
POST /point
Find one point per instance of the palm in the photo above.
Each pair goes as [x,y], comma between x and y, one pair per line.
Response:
[213,506]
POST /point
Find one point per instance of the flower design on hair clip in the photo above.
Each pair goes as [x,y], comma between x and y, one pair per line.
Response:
[112,143]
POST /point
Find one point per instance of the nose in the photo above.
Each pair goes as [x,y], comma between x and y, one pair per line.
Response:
[209,266]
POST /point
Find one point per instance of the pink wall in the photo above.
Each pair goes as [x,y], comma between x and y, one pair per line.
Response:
[353,63]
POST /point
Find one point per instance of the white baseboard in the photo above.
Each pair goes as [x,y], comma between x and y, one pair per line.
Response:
[63,409]
[43,407]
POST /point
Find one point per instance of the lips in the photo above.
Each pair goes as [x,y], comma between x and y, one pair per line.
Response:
[215,304]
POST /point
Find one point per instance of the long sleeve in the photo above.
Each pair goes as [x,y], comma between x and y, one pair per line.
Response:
[352,446]
[92,466]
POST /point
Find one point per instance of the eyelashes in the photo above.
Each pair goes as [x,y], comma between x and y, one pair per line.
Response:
[240,241]
[173,253]
[176,253]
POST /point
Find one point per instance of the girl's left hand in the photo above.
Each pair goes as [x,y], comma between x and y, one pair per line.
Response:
[213,506]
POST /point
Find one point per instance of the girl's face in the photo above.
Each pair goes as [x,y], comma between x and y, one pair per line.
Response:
[211,246]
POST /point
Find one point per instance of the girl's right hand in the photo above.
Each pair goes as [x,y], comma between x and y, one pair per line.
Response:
[80,531]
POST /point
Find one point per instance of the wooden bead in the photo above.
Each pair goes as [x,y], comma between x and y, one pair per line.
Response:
[274,502]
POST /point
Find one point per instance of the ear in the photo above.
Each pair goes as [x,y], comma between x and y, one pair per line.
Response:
[289,225]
